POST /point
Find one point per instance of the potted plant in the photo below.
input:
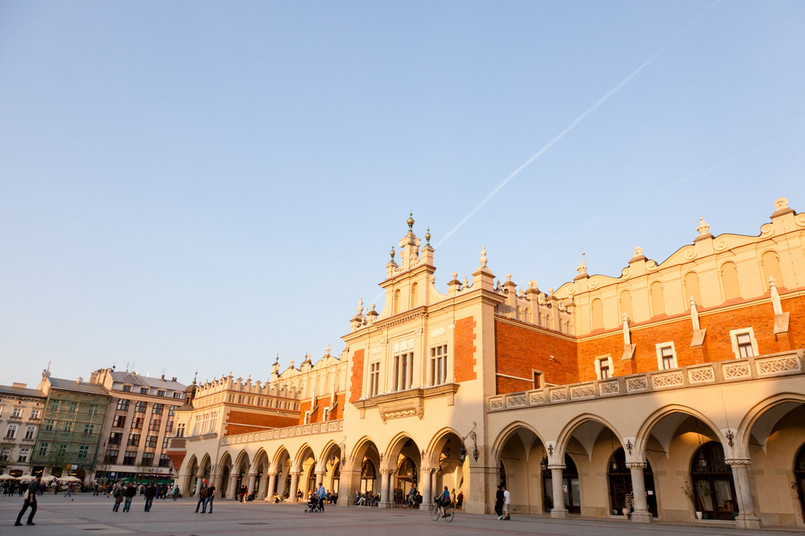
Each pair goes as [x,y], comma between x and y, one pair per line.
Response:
[687,490]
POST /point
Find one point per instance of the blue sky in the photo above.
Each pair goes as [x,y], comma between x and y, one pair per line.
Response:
[204,185]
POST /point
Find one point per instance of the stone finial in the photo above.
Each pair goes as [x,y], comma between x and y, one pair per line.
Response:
[410,222]
[427,237]
[638,251]
[694,314]
[391,253]
[277,359]
[532,284]
[293,362]
[775,297]
[483,256]
[466,282]
[703,228]
[327,350]
[455,275]
[508,278]
[780,203]
[582,269]
[627,336]
[360,306]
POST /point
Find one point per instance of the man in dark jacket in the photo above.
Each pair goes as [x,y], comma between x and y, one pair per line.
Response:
[499,497]
[150,493]
[30,501]
[129,494]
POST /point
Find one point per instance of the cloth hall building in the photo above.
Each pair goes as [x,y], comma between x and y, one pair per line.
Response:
[674,388]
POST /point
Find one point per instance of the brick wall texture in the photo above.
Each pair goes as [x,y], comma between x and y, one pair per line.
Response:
[356,381]
[464,344]
[521,349]
[242,422]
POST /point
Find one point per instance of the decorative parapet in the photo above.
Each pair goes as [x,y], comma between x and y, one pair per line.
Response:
[753,368]
[281,433]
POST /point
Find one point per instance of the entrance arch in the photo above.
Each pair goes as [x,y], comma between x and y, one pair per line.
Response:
[570,486]
[619,477]
[520,469]
[713,486]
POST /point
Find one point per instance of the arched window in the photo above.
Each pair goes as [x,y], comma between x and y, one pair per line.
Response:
[367,476]
[692,289]
[620,483]
[713,487]
[626,305]
[770,262]
[799,475]
[414,297]
[395,306]
[597,309]
[657,299]
[729,281]
[570,485]
[406,477]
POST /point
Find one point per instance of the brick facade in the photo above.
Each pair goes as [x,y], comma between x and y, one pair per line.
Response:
[464,344]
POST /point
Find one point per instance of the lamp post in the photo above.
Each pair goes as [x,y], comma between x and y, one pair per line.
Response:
[462,451]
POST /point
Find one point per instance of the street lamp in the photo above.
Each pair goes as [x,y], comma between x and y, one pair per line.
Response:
[462,451]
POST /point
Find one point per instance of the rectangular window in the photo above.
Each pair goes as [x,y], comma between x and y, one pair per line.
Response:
[83,452]
[744,341]
[144,390]
[89,429]
[49,424]
[116,438]
[11,431]
[43,449]
[603,368]
[130,457]
[36,413]
[24,453]
[164,461]
[325,415]
[55,405]
[666,356]
[155,425]
[537,380]
[307,418]
[73,407]
[62,449]
[374,379]
[127,388]
[403,370]
[160,392]
[169,427]
[5,454]
[180,430]
[139,406]
[111,456]
[17,413]
[68,426]
[30,432]
[151,441]
[123,404]
[438,365]
[119,421]
[137,423]
[177,394]
[157,410]
[134,440]
[147,459]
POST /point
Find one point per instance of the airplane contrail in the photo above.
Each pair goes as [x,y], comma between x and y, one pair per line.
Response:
[570,127]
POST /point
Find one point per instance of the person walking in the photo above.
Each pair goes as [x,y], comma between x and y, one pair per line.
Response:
[202,496]
[118,495]
[210,497]
[128,495]
[499,497]
[506,503]
[69,492]
[30,502]
[175,492]
[150,493]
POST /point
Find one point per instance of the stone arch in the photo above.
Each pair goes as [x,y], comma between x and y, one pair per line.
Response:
[518,452]
[625,302]
[188,483]
[258,475]
[692,289]
[657,297]
[305,464]
[729,281]
[280,470]
[403,465]
[223,478]
[664,412]
[760,421]
[331,461]
[586,427]
[361,470]
[770,264]
[597,314]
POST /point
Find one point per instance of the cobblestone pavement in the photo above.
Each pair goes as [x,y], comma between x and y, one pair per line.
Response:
[88,515]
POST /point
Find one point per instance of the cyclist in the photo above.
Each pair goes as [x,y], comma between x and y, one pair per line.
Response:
[411,499]
[444,501]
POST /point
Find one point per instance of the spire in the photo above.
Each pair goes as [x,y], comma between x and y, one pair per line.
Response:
[410,222]
[582,269]
[704,230]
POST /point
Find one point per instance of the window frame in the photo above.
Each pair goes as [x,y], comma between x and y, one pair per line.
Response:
[659,347]
[736,348]
[610,368]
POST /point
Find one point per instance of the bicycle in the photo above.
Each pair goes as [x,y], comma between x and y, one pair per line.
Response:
[436,513]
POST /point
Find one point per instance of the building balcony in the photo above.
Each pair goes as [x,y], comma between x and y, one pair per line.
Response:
[720,372]
[288,431]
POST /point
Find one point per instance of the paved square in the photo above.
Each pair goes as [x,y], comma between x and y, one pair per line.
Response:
[86,515]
